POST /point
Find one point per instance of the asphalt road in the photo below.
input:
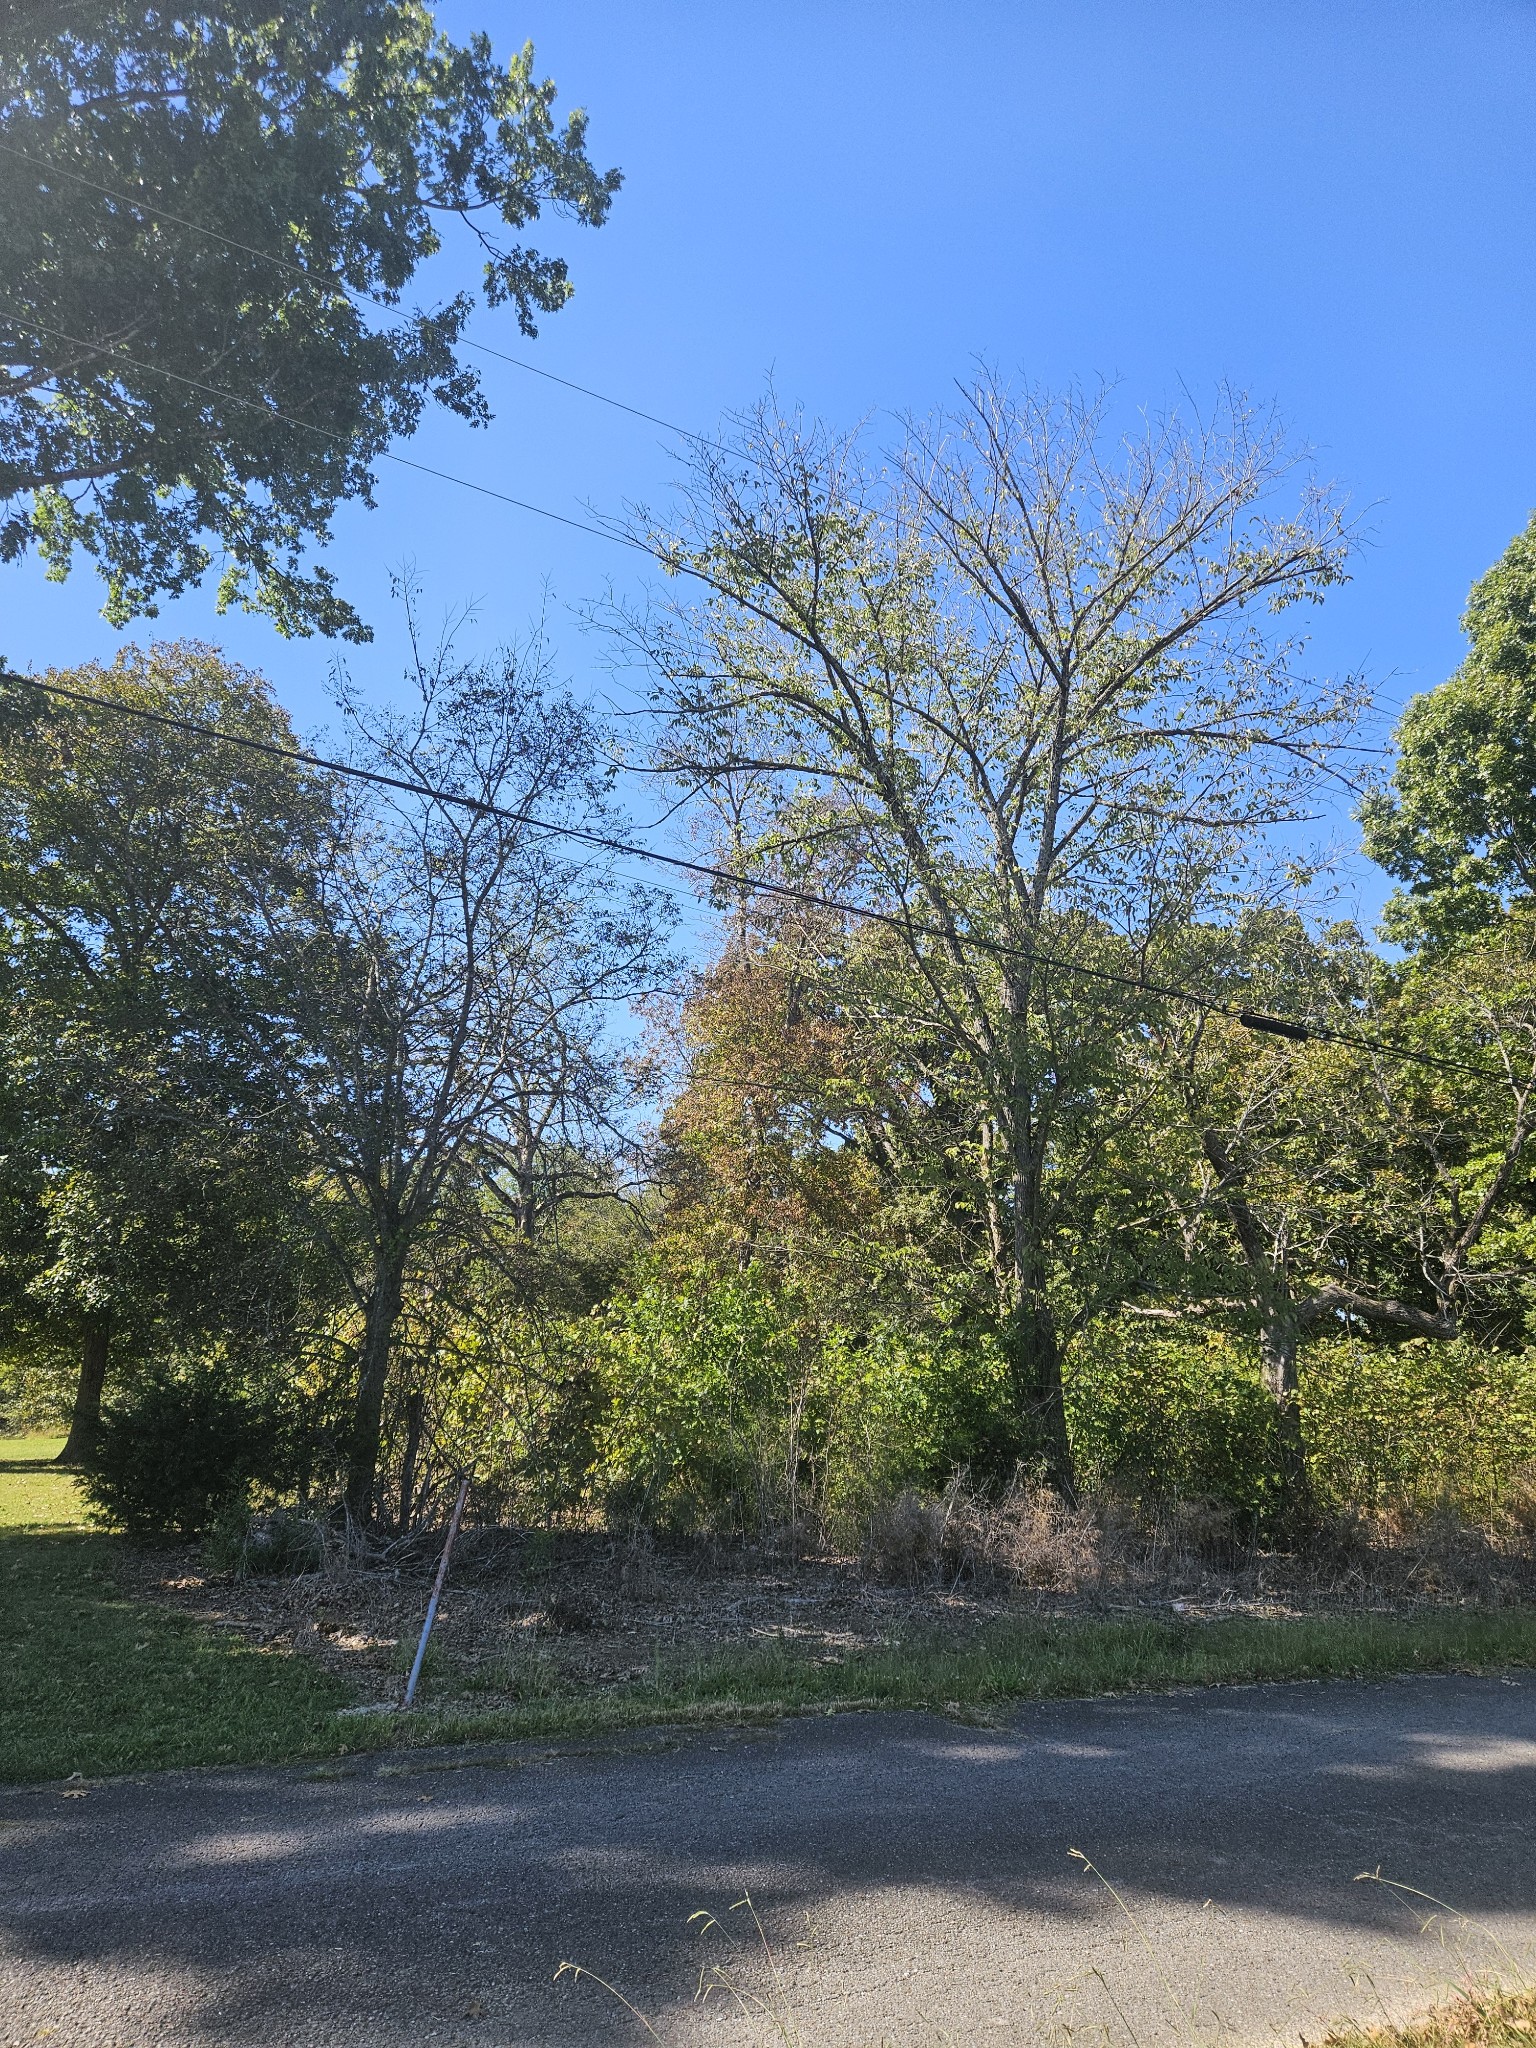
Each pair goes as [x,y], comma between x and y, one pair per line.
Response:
[913,1877]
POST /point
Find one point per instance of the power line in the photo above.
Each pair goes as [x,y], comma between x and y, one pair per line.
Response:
[1251,1020]
[271,412]
[339,284]
[1257,1021]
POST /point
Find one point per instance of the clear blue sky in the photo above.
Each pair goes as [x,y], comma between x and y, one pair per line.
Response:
[1332,205]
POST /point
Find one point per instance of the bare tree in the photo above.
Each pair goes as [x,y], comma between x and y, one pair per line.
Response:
[442,1006]
[1023,689]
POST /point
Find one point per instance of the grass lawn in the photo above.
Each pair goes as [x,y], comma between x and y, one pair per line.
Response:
[97,1682]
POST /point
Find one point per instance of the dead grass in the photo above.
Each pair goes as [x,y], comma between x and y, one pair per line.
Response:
[1493,2020]
[1031,1541]
[539,1617]
[955,1603]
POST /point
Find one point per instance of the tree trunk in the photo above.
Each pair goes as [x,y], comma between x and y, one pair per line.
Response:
[1280,1330]
[1031,1345]
[1032,1352]
[527,1200]
[372,1371]
[85,1423]
[1279,1348]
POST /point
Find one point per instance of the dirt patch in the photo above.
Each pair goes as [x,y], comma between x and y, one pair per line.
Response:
[526,1610]
[575,1607]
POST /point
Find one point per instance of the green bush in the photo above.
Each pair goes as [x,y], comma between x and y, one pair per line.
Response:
[729,1406]
[1388,1427]
[893,1408]
[178,1452]
[697,1431]
[739,1403]
[1179,1416]
[1419,1425]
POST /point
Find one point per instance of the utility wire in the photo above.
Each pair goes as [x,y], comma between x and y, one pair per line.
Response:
[271,412]
[1251,1020]
[337,283]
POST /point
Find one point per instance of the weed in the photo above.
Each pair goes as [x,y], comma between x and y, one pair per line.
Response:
[279,1544]
[725,1980]
[1497,2019]
[1030,1539]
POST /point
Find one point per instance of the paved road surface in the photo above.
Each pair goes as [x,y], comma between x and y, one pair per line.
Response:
[913,1875]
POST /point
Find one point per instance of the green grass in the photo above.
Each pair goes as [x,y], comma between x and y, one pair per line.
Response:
[1005,1664]
[96,1683]
[34,1493]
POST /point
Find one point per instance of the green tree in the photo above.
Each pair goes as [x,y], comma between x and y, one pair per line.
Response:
[194,201]
[1019,693]
[1458,822]
[153,1162]
[1311,1189]
[437,1007]
[33,1360]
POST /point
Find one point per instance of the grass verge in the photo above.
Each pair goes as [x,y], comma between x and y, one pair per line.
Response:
[98,1683]
[1005,1664]
[95,1683]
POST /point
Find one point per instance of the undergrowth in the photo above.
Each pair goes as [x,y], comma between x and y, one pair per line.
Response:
[100,1682]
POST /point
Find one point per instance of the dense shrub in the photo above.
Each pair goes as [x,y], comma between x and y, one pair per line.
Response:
[697,1431]
[730,1407]
[1402,1428]
[520,1396]
[179,1450]
[736,1403]
[1173,1416]
[1417,1426]
[896,1408]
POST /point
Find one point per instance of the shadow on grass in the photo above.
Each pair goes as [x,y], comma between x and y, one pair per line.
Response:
[97,1683]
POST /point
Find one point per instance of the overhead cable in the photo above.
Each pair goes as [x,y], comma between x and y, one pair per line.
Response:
[1251,1020]
[271,412]
[335,282]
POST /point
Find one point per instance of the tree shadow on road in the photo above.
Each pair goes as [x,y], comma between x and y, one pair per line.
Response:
[378,1902]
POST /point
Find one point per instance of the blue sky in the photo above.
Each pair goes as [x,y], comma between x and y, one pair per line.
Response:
[1331,205]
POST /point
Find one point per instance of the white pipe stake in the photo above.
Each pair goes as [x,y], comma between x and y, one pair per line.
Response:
[437,1593]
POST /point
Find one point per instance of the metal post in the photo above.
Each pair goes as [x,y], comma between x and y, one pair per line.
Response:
[437,1593]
